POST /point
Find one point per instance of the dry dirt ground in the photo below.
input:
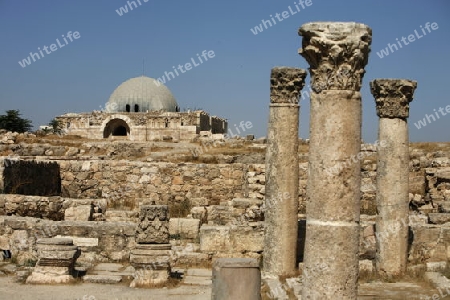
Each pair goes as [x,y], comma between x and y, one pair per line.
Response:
[9,290]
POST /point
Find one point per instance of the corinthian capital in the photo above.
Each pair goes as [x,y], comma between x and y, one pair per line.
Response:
[286,84]
[337,53]
[392,97]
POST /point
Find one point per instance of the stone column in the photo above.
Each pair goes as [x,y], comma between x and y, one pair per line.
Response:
[392,97]
[280,240]
[151,258]
[337,54]
[56,261]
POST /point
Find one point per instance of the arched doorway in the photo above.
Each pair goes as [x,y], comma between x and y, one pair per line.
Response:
[116,128]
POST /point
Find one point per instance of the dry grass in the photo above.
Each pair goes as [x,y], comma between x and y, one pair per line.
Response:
[431,147]
[122,204]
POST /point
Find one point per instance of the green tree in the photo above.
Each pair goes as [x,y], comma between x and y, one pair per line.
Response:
[56,126]
[13,122]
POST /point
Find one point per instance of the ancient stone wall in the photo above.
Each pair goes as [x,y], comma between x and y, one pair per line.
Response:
[122,182]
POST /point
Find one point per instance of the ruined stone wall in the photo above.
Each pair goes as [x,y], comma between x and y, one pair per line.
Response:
[218,125]
[164,183]
[204,121]
[123,181]
[98,241]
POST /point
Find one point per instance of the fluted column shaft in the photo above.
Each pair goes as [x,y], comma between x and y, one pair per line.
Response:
[392,97]
[337,54]
[282,171]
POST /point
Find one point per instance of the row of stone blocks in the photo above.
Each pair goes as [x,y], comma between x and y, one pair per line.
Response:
[150,258]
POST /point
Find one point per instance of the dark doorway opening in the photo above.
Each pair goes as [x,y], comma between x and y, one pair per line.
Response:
[116,127]
[120,131]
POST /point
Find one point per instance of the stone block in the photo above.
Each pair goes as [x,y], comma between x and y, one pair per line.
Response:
[185,228]
[366,266]
[246,239]
[439,218]
[215,238]
[81,242]
[153,227]
[103,279]
[236,278]
[79,213]
[219,214]
[4,243]
[50,275]
[149,277]
[426,234]
[245,202]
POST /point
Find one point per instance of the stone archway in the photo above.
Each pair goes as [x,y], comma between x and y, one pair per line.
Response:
[116,128]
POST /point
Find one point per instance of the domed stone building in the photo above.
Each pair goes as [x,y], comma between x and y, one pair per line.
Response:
[142,109]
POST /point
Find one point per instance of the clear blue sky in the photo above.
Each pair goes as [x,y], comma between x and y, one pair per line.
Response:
[234,84]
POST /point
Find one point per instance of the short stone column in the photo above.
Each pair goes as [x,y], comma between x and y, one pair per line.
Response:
[337,54]
[236,278]
[392,97]
[56,261]
[151,258]
[281,198]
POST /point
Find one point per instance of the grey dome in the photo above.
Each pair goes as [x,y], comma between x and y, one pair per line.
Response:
[141,94]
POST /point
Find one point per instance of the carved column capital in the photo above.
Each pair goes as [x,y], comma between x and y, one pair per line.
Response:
[337,53]
[392,97]
[286,84]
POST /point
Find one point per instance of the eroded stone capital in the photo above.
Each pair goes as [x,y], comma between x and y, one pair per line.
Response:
[337,53]
[286,84]
[392,97]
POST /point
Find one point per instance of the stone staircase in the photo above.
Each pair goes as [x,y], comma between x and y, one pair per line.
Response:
[109,273]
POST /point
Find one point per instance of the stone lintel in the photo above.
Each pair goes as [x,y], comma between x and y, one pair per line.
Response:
[337,53]
[392,97]
[286,84]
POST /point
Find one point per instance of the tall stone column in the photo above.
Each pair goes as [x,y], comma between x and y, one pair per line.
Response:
[281,221]
[337,54]
[392,97]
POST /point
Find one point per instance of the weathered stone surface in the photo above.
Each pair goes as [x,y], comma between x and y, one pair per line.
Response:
[185,228]
[154,246]
[439,218]
[149,277]
[337,54]
[56,260]
[225,239]
[153,227]
[236,278]
[79,213]
[286,84]
[33,206]
[50,275]
[82,241]
[55,241]
[282,173]
[214,238]
[392,97]
[103,279]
